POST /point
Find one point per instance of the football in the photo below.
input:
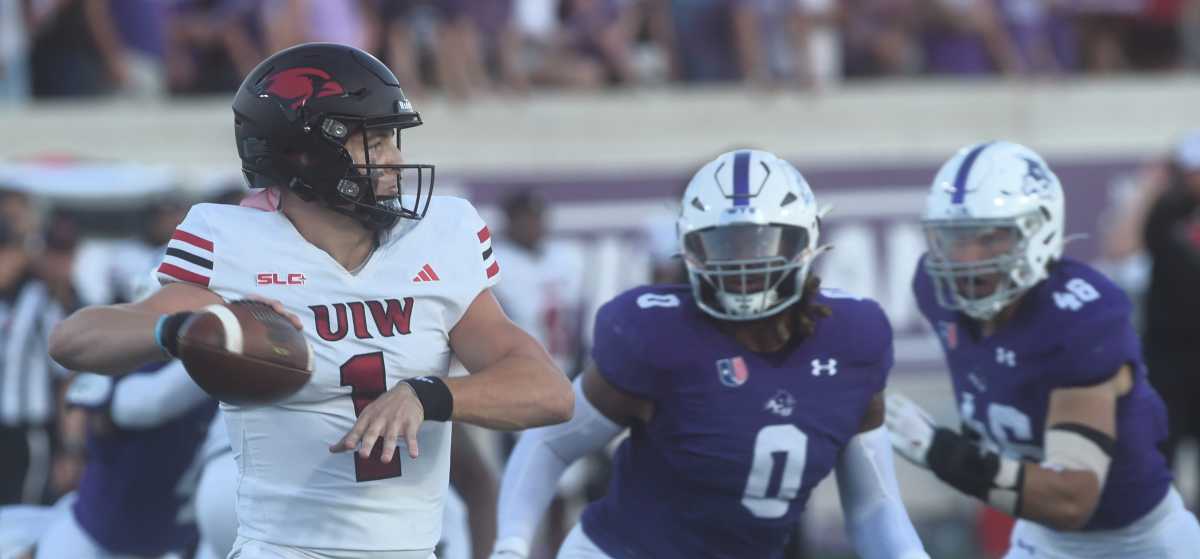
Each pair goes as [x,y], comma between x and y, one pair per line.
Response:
[245,353]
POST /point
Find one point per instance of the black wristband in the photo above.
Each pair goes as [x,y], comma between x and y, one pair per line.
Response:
[166,332]
[962,464]
[435,397]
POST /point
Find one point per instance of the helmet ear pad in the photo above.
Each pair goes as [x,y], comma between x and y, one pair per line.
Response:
[312,160]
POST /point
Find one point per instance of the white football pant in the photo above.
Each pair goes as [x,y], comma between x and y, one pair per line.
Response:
[1168,531]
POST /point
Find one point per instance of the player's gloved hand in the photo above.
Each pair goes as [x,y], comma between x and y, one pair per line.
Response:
[910,428]
[510,548]
[91,391]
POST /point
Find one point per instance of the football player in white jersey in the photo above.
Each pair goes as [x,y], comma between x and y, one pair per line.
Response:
[317,125]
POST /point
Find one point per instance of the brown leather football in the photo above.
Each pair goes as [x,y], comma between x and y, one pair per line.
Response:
[245,353]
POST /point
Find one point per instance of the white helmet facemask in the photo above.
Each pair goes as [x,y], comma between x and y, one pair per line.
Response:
[983,286]
[750,271]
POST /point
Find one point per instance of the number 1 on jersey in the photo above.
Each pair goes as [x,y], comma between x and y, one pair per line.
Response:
[367,379]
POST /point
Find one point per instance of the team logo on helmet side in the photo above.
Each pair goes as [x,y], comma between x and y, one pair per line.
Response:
[294,87]
[1036,181]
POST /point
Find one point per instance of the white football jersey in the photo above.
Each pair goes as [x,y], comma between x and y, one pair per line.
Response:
[389,321]
[543,294]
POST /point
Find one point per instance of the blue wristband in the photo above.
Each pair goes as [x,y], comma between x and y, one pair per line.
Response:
[166,331]
[158,330]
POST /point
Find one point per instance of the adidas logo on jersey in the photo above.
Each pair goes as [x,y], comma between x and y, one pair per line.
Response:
[426,274]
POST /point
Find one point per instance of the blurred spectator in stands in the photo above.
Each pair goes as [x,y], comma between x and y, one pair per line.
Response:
[500,43]
[591,48]
[211,44]
[816,42]
[459,62]
[770,41]
[1172,237]
[97,46]
[881,37]
[537,25]
[140,37]
[400,43]
[1042,34]
[291,22]
[67,57]
[703,40]
[965,37]
[14,51]
[1130,34]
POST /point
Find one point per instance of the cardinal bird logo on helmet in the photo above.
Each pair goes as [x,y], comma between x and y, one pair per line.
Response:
[296,86]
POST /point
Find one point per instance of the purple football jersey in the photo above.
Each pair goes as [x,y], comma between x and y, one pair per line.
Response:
[1072,329]
[738,439]
[137,483]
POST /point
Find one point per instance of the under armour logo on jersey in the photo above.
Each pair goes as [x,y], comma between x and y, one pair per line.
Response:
[829,367]
[426,274]
[781,404]
[1006,357]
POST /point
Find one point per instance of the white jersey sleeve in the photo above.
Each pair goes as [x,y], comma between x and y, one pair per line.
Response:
[189,256]
[477,239]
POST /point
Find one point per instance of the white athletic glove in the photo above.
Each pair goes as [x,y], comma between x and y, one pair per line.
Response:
[510,548]
[910,428]
[91,391]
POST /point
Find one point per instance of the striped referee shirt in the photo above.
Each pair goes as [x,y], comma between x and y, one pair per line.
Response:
[27,373]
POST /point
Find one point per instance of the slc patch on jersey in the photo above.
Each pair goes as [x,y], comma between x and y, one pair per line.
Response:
[733,371]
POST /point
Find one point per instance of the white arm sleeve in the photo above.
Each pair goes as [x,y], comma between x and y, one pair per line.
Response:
[144,400]
[875,517]
[541,455]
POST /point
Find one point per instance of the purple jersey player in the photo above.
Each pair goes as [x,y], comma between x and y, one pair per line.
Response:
[741,393]
[134,500]
[1060,427]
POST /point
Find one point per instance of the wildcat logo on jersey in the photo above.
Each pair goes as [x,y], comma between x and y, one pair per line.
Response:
[391,317]
[781,404]
[948,331]
[732,371]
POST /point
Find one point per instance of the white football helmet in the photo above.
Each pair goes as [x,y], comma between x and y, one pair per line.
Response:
[994,223]
[748,232]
